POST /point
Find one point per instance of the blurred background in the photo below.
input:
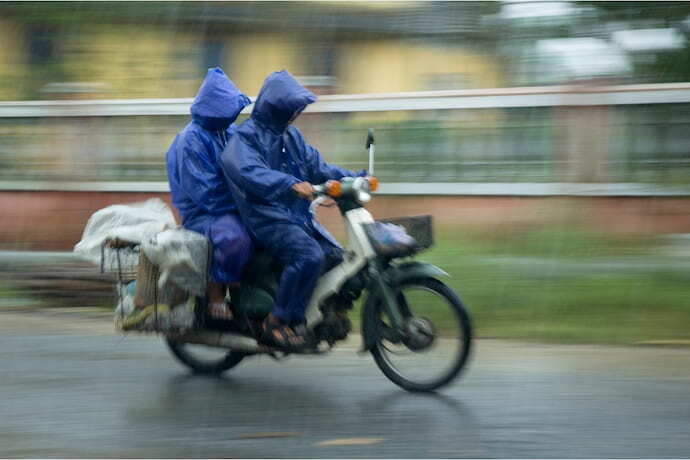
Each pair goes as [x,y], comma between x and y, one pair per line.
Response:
[550,140]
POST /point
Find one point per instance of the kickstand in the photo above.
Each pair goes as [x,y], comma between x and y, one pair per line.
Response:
[278,355]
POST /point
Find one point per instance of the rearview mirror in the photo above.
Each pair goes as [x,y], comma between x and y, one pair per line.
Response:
[370,138]
[370,147]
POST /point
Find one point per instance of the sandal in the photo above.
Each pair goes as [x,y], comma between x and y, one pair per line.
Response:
[220,311]
[281,336]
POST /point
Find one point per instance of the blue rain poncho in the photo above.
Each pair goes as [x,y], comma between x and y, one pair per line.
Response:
[198,188]
[265,157]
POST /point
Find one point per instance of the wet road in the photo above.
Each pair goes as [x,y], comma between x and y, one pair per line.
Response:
[70,387]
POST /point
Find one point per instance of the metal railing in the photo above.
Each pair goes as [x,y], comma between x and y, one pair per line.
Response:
[608,140]
[541,96]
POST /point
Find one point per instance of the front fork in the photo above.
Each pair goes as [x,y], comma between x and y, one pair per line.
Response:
[381,287]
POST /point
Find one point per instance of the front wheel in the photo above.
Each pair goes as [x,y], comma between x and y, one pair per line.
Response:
[202,359]
[436,342]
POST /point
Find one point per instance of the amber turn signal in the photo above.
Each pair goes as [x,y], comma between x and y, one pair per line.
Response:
[334,188]
[373,183]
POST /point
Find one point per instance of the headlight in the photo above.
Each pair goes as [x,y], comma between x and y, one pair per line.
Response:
[361,183]
[363,196]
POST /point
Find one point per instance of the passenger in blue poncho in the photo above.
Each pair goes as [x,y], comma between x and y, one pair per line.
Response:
[199,190]
[270,169]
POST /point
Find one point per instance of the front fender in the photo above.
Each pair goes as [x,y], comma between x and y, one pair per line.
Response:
[393,276]
[413,269]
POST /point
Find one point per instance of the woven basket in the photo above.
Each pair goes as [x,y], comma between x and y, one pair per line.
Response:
[148,293]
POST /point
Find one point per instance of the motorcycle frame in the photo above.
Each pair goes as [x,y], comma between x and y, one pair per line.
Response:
[357,254]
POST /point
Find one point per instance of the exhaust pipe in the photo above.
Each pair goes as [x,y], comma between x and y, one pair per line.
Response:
[235,342]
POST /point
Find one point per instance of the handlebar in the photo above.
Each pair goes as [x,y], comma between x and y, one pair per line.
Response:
[358,188]
[320,190]
[316,202]
[346,186]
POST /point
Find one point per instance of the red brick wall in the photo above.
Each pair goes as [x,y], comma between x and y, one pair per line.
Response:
[55,220]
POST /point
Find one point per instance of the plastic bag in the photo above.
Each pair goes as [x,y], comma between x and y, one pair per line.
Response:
[125,292]
[391,240]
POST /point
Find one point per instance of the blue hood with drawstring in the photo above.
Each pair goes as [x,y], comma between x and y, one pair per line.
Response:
[218,102]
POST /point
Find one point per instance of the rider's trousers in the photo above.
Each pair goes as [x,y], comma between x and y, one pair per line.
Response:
[231,244]
[305,255]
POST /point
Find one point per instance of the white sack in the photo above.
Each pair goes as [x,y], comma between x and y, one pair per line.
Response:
[182,258]
[130,222]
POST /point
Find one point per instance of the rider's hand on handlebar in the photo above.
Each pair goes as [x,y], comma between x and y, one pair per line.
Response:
[304,190]
[327,202]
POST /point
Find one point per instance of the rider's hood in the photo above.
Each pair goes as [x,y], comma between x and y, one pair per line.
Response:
[281,99]
[218,102]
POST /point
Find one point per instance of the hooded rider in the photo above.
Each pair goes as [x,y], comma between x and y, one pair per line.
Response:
[271,169]
[199,190]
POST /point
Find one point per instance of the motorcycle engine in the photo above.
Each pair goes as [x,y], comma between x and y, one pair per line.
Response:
[335,324]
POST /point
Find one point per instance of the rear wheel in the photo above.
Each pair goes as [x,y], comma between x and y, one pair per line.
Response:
[203,359]
[437,339]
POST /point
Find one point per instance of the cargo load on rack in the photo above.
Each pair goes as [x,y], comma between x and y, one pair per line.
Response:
[159,268]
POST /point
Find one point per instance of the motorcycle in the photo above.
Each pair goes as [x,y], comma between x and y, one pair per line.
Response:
[414,325]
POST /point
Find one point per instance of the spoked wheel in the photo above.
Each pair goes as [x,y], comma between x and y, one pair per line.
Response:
[204,360]
[437,339]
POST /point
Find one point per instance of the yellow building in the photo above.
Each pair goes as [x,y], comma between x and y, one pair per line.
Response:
[170,65]
[384,66]
[13,66]
[134,62]
[344,48]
